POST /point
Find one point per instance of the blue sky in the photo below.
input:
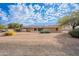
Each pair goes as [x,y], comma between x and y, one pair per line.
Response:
[35,14]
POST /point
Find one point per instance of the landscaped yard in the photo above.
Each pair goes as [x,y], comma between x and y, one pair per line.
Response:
[33,44]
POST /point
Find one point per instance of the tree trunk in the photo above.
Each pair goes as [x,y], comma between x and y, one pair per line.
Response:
[73,27]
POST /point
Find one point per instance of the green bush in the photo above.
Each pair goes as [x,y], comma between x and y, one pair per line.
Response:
[44,31]
[74,33]
[40,29]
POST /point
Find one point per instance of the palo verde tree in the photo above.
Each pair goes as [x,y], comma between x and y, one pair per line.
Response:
[72,19]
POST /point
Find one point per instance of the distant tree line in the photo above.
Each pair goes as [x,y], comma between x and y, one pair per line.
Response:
[15,26]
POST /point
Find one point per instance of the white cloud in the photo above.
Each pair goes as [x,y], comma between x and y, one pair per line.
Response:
[27,15]
[50,11]
[3,17]
[76,6]
[37,7]
[64,8]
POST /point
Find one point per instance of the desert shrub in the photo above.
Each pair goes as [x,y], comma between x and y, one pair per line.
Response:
[18,29]
[40,29]
[74,33]
[10,33]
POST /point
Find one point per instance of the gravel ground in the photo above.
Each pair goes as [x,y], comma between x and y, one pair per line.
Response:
[36,44]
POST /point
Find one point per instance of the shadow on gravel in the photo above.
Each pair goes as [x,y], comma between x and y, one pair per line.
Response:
[70,45]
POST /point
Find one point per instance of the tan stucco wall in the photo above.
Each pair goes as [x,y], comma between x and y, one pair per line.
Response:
[51,29]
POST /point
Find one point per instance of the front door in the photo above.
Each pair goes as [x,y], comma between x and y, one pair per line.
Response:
[35,29]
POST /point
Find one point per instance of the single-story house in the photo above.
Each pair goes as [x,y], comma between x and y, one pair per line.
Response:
[38,28]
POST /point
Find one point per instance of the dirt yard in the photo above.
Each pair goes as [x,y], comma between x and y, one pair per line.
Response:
[36,44]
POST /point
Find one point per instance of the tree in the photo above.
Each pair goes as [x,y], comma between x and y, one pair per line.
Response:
[2,27]
[64,20]
[72,19]
[15,26]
